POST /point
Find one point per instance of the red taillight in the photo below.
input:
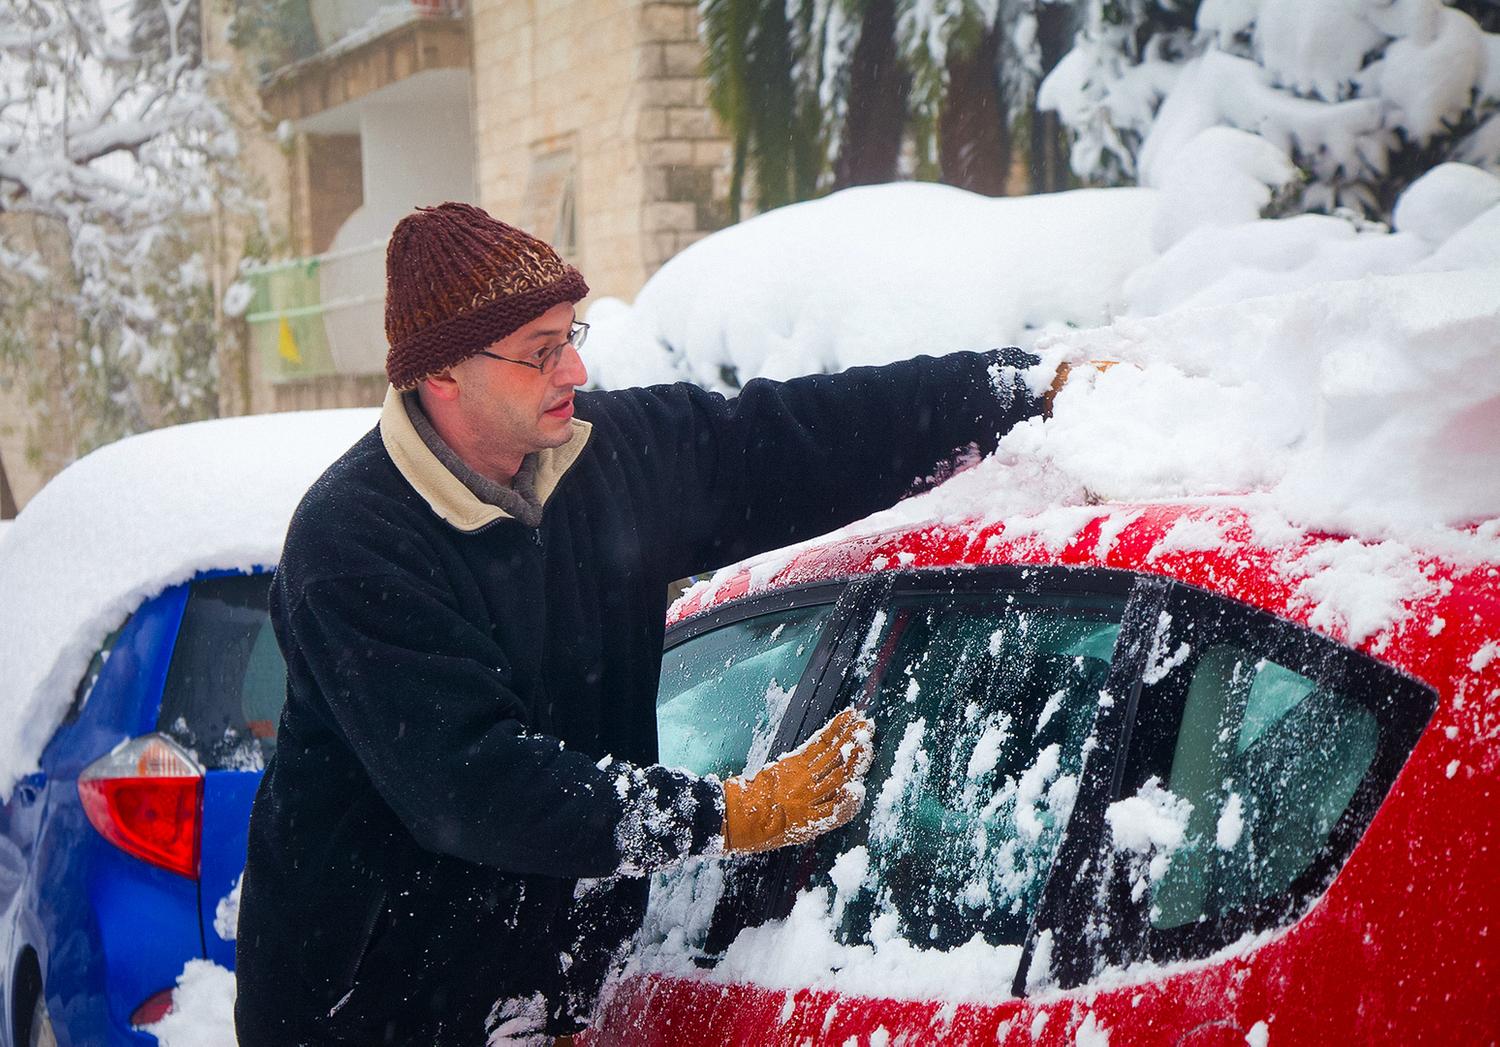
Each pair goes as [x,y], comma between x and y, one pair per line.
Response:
[146,798]
[153,1010]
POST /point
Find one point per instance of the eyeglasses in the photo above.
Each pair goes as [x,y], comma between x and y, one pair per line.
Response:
[545,360]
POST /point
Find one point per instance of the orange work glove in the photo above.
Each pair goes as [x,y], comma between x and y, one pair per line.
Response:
[807,792]
[1063,371]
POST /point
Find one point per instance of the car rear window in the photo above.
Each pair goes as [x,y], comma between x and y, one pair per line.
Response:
[1268,762]
[1264,751]
[227,681]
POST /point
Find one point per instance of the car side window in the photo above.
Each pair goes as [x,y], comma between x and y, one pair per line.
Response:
[1267,762]
[1261,753]
[723,693]
[984,707]
[722,697]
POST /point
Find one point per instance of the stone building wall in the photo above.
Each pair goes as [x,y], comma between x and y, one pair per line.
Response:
[593,130]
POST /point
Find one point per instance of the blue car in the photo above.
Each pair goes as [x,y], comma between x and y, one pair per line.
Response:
[119,858]
[121,850]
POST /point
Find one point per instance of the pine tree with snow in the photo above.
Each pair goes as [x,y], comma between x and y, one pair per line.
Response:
[1360,97]
[825,94]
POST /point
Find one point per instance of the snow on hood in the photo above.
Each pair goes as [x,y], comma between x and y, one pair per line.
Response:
[129,520]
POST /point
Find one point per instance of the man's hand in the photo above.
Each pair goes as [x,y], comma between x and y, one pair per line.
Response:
[1063,370]
[818,787]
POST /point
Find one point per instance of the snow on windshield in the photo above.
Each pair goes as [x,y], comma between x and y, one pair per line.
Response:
[125,522]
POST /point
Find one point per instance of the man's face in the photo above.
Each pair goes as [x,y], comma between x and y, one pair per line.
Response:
[518,409]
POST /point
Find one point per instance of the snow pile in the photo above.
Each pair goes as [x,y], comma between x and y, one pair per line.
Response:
[1369,408]
[227,912]
[202,1013]
[1365,407]
[871,275]
[125,522]
[938,269]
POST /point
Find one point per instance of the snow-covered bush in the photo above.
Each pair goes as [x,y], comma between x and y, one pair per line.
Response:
[1360,97]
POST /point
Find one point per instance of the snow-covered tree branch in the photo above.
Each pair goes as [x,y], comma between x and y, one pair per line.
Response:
[1357,99]
[113,153]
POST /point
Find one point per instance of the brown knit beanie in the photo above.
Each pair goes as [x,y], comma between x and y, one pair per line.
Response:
[457,281]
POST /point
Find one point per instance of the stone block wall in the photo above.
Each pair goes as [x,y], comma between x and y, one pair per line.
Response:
[618,86]
[684,154]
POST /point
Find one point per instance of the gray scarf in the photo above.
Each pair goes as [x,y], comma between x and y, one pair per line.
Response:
[519,499]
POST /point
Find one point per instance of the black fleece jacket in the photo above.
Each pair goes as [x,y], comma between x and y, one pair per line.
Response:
[470,716]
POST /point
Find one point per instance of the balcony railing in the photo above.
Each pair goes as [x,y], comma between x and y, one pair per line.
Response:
[318,316]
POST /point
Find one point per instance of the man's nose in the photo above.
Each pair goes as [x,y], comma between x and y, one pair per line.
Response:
[571,369]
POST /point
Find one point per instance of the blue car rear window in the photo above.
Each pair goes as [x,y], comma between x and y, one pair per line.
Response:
[227,680]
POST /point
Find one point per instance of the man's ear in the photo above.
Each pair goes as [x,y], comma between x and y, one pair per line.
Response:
[440,386]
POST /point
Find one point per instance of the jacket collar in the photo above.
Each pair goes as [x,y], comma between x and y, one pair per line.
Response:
[444,492]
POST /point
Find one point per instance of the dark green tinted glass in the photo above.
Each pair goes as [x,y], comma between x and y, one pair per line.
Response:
[1269,761]
[227,681]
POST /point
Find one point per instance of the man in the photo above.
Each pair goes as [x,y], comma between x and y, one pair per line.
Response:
[471,603]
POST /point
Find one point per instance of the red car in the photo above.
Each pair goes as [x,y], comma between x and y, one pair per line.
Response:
[1154,775]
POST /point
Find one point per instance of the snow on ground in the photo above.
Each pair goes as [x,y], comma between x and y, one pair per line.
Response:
[125,522]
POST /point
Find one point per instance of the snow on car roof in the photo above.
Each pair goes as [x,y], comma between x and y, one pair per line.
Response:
[129,520]
[1368,409]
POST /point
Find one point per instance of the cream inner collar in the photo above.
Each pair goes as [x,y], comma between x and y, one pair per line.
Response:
[448,496]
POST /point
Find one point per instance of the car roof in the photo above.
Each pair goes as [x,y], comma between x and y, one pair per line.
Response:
[1390,599]
[125,522]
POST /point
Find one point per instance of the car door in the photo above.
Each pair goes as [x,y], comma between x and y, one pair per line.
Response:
[966,674]
[1047,807]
